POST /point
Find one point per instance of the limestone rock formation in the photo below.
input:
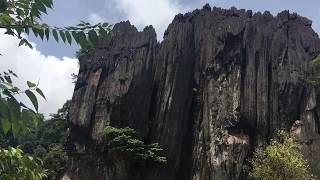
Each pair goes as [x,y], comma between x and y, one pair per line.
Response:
[217,87]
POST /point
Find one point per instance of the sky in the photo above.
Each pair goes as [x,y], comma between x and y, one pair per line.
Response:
[52,63]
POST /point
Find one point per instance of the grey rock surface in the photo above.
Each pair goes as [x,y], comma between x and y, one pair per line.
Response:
[218,86]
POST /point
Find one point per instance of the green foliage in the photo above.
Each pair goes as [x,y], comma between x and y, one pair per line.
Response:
[315,64]
[123,142]
[24,16]
[85,51]
[55,161]
[52,131]
[14,165]
[280,160]
[19,17]
[47,141]
[15,117]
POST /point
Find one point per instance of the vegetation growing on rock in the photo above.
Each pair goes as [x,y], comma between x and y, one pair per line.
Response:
[280,160]
[123,142]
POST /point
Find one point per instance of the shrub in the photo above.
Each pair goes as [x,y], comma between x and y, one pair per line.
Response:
[280,160]
[123,142]
[15,165]
[55,161]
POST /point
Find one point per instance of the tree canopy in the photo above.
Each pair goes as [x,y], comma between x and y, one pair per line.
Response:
[20,17]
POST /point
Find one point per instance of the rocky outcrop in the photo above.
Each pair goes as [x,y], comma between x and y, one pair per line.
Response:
[217,87]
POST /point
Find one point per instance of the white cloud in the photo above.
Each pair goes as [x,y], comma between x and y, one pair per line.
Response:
[52,73]
[95,18]
[158,13]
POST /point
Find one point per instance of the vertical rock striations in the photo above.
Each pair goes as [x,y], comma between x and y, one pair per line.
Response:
[217,86]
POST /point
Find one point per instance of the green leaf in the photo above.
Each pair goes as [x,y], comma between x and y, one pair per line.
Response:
[48,3]
[55,35]
[8,79]
[7,93]
[15,129]
[27,43]
[35,11]
[41,93]
[23,105]
[41,33]
[39,4]
[21,42]
[26,30]
[47,32]
[35,32]
[31,84]
[33,99]
[105,24]
[15,89]
[63,36]
[19,13]
[81,36]
[9,32]
[68,36]
[14,74]
[14,108]
[4,111]
[6,125]
[93,37]
[19,30]
[75,37]
[5,18]
[29,117]
[102,32]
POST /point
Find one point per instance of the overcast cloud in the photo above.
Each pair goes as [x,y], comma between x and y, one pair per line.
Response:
[53,63]
[53,74]
[158,13]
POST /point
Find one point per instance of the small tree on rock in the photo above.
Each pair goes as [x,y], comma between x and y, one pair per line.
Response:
[280,160]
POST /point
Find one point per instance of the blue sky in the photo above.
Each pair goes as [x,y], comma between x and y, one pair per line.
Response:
[52,63]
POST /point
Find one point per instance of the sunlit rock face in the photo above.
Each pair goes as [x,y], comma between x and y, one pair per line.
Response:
[220,83]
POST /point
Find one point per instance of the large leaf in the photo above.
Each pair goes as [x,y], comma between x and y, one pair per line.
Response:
[8,79]
[75,37]
[68,36]
[6,125]
[35,32]
[33,99]
[41,33]
[82,39]
[25,42]
[47,33]
[41,93]
[15,129]
[31,84]
[4,112]
[15,109]
[55,35]
[28,117]
[48,3]
[93,37]
[26,30]
[41,6]
[63,36]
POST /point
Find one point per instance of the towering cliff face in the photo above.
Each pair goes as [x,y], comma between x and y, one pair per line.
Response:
[217,87]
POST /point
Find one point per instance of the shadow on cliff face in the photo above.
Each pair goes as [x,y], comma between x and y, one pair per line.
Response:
[216,87]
